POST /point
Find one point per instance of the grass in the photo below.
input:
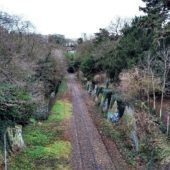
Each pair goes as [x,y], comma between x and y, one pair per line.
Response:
[63,87]
[60,111]
[56,150]
[35,136]
[46,146]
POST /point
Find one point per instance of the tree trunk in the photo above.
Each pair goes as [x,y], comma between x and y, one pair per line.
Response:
[5,152]
[168,125]
[163,87]
[166,70]
[153,91]
[162,98]
[147,89]
[149,65]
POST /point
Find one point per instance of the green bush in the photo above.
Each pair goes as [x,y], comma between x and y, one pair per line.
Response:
[15,104]
[87,66]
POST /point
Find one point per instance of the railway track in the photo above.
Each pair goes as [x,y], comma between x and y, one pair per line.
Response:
[89,152]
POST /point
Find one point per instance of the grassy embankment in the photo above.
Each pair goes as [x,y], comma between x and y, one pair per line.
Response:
[46,146]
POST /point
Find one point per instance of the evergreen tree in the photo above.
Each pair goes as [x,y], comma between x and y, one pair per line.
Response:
[156,20]
[156,11]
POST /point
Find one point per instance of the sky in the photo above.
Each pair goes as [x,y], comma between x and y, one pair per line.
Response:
[71,18]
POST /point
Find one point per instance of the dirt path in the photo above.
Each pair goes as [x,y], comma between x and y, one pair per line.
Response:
[89,152]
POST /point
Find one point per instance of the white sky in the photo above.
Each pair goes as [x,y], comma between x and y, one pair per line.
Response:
[71,17]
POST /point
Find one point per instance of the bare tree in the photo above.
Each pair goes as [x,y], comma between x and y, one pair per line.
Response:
[150,64]
[164,55]
[151,80]
[117,24]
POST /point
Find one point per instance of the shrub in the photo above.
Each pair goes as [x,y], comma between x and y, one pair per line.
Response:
[47,71]
[15,104]
[87,66]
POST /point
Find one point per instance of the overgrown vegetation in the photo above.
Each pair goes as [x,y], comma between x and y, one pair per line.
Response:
[137,53]
[113,50]
[47,147]
[28,61]
[30,70]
